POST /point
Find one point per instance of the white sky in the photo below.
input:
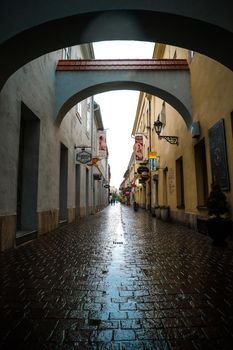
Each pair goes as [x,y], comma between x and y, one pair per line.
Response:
[118,108]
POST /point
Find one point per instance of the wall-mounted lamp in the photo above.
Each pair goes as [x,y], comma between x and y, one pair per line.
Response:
[158,127]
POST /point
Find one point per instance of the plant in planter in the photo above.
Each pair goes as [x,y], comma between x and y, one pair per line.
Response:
[165,212]
[157,212]
[219,225]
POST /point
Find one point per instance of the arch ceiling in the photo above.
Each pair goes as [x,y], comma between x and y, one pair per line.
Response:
[29,29]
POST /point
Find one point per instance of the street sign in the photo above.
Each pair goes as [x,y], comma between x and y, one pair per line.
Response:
[83,157]
[152,155]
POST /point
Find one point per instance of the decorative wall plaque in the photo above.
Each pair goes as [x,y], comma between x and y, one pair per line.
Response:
[218,155]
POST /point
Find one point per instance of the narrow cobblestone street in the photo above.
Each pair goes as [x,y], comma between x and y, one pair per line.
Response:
[117,280]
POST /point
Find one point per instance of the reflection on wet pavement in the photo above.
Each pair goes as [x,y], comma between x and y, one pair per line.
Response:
[117,280]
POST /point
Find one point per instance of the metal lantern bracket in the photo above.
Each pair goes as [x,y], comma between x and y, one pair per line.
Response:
[82,147]
[158,127]
[171,139]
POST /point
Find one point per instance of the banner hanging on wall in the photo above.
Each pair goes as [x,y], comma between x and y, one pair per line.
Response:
[138,148]
[102,145]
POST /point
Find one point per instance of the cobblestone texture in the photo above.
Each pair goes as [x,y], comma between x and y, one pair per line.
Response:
[117,280]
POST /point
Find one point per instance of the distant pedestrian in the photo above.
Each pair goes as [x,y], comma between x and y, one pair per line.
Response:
[110,199]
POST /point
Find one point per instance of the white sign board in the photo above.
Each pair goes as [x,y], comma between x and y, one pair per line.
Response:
[83,157]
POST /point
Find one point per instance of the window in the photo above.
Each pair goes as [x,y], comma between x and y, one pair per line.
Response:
[201,173]
[89,107]
[67,53]
[79,111]
[163,114]
[191,55]
[165,185]
[180,183]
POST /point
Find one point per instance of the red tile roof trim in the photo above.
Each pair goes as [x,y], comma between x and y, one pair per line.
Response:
[131,64]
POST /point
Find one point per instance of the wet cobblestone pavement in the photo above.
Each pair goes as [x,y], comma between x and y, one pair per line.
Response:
[117,280]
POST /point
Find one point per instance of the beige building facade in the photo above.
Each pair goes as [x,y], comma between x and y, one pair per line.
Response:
[181,175]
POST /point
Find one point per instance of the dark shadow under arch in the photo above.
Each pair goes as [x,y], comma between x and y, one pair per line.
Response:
[95,26]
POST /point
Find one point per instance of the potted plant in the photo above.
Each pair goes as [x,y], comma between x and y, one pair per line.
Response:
[157,212]
[219,224]
[165,211]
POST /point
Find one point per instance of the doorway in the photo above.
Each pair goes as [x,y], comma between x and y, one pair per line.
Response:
[201,173]
[63,213]
[28,165]
[87,191]
[77,191]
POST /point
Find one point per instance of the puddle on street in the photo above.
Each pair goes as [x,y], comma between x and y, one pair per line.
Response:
[117,271]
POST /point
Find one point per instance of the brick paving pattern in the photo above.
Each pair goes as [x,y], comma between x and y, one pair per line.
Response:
[117,280]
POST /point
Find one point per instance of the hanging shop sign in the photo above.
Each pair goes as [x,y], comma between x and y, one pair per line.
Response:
[152,155]
[142,169]
[138,148]
[153,164]
[102,144]
[145,175]
[95,160]
[83,157]
[152,161]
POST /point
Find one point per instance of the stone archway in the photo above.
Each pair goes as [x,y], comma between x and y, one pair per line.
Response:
[29,30]
[167,79]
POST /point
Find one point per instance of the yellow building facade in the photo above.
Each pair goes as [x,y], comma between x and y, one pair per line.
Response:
[184,172]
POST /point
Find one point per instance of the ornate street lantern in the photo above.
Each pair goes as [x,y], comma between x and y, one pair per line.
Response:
[158,128]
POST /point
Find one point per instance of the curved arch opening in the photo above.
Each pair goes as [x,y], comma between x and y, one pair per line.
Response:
[126,85]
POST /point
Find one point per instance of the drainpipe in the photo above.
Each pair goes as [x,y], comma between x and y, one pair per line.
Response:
[149,132]
[92,144]
[93,110]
